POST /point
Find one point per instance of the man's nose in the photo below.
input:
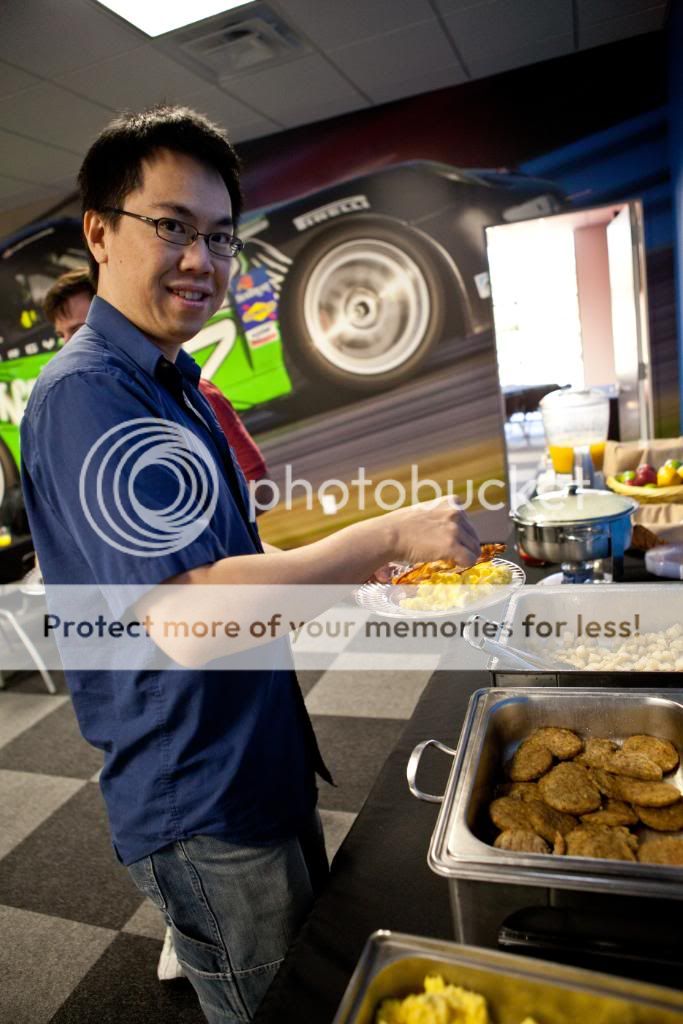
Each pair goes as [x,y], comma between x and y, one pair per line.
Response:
[197,257]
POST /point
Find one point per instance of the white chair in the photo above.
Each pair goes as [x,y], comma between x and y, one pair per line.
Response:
[32,585]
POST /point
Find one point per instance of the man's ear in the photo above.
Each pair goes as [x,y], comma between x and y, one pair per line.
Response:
[94,229]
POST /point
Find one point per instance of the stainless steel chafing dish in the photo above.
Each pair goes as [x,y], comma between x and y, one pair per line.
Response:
[487,884]
[535,617]
[393,965]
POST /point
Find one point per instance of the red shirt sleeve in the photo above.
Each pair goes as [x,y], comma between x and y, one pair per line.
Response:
[247,452]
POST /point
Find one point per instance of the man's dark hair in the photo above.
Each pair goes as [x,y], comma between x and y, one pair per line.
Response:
[65,287]
[112,167]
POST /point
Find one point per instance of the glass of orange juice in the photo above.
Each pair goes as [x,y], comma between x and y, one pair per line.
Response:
[597,450]
[562,458]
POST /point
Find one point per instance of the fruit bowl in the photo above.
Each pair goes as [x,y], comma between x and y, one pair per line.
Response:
[647,495]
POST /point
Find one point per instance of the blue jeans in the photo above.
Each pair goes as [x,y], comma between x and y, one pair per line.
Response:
[233,911]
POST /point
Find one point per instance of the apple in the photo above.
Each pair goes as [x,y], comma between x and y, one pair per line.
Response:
[674,463]
[645,474]
[627,477]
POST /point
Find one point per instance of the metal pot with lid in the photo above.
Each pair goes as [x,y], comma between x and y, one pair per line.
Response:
[576,527]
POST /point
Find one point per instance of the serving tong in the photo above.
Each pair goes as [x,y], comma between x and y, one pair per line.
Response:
[473,634]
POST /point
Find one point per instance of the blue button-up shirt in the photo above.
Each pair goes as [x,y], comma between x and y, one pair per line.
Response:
[186,752]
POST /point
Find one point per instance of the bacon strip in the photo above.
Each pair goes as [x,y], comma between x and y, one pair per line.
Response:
[423,571]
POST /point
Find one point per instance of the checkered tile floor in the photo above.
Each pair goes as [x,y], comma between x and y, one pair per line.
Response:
[77,942]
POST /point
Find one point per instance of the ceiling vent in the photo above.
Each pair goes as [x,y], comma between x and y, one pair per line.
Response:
[233,44]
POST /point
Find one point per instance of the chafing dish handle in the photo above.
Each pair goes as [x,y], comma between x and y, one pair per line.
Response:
[413,763]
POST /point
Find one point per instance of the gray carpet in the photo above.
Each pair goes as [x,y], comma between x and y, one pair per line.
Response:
[78,944]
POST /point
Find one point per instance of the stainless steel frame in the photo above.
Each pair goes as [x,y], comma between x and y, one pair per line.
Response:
[487,884]
[394,965]
[657,609]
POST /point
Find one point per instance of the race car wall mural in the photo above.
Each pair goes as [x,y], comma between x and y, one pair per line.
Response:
[346,288]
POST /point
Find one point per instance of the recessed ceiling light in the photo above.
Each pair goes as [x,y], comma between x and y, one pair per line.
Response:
[158,16]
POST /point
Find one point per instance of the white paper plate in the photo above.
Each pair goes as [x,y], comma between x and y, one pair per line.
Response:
[384,598]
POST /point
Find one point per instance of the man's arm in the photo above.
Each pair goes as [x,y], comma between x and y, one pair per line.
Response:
[414,534]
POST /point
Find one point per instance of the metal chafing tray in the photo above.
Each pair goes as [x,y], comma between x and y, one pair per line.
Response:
[393,965]
[487,884]
[568,606]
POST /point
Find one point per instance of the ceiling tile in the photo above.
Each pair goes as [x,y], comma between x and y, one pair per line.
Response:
[13,79]
[318,110]
[447,6]
[590,11]
[427,81]
[284,92]
[232,114]
[389,48]
[620,28]
[20,193]
[255,131]
[136,79]
[396,56]
[544,49]
[15,187]
[50,37]
[330,23]
[34,161]
[66,185]
[506,25]
[50,114]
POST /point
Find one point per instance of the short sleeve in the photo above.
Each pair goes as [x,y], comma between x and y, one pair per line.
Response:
[138,493]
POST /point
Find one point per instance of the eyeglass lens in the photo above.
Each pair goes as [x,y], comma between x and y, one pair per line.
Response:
[219,242]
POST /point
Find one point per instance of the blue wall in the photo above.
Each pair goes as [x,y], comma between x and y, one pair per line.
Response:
[630,160]
[676,158]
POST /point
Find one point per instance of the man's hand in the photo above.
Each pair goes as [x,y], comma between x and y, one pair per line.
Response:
[432,530]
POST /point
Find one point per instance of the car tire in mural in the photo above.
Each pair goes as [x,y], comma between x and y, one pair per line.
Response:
[363,304]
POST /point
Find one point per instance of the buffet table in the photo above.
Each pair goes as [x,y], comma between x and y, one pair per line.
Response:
[380,877]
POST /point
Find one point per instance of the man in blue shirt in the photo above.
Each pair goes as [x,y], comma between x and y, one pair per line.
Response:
[208,776]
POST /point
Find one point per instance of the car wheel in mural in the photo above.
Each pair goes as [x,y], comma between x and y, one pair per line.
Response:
[363,304]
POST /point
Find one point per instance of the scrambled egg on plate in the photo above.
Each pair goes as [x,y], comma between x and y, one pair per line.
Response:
[456,590]
[438,1004]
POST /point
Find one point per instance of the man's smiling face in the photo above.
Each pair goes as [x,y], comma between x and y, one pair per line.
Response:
[167,290]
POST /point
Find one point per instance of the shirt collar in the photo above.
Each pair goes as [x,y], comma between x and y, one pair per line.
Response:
[124,335]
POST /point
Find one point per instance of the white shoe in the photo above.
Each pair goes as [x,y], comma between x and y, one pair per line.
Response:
[168,968]
[32,583]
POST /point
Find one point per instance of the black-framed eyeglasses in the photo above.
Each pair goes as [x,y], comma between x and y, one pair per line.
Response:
[220,243]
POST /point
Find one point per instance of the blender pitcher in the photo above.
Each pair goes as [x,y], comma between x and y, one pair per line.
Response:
[575,421]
